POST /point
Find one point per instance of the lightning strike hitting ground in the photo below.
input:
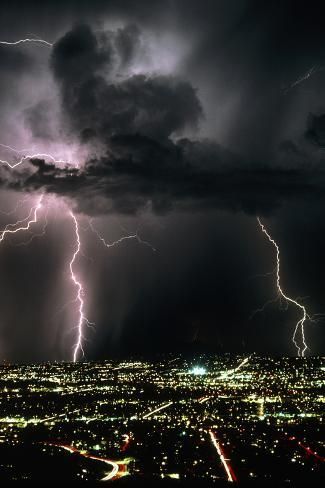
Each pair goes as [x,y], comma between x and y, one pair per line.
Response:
[301,322]
[118,241]
[80,293]
[28,221]
[27,40]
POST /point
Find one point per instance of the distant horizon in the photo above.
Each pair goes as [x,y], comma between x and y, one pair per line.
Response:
[157,356]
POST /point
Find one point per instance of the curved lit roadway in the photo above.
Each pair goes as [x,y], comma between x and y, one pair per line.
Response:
[115,467]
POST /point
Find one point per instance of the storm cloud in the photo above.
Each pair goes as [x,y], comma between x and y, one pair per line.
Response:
[138,122]
[181,120]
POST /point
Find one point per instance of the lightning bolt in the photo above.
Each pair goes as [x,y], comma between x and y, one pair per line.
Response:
[25,224]
[25,157]
[314,69]
[39,234]
[80,292]
[14,210]
[301,322]
[27,40]
[79,298]
[121,239]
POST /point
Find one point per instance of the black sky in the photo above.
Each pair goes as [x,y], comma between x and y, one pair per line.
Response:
[191,118]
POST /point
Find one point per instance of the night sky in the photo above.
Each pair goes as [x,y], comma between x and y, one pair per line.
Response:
[182,121]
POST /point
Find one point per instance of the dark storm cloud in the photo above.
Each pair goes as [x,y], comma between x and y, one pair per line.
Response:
[127,42]
[234,80]
[315,132]
[186,175]
[134,118]
[39,120]
[155,106]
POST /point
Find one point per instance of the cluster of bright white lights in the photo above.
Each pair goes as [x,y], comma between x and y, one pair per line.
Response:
[198,370]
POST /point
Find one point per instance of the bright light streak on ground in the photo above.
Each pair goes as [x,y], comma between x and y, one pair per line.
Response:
[300,324]
[204,399]
[157,410]
[126,441]
[73,450]
[230,475]
[308,451]
[234,370]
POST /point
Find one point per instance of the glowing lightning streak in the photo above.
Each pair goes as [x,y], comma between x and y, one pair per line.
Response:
[304,77]
[14,210]
[27,40]
[300,323]
[33,156]
[30,219]
[39,234]
[118,241]
[24,157]
[14,149]
[80,292]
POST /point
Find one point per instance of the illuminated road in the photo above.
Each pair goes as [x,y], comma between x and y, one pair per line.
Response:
[226,374]
[204,399]
[157,410]
[237,368]
[308,450]
[118,468]
[230,474]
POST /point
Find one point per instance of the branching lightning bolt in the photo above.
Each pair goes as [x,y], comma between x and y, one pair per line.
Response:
[25,157]
[121,239]
[14,210]
[301,322]
[25,224]
[37,234]
[80,293]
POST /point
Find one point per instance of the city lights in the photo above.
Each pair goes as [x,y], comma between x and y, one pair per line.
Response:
[230,420]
